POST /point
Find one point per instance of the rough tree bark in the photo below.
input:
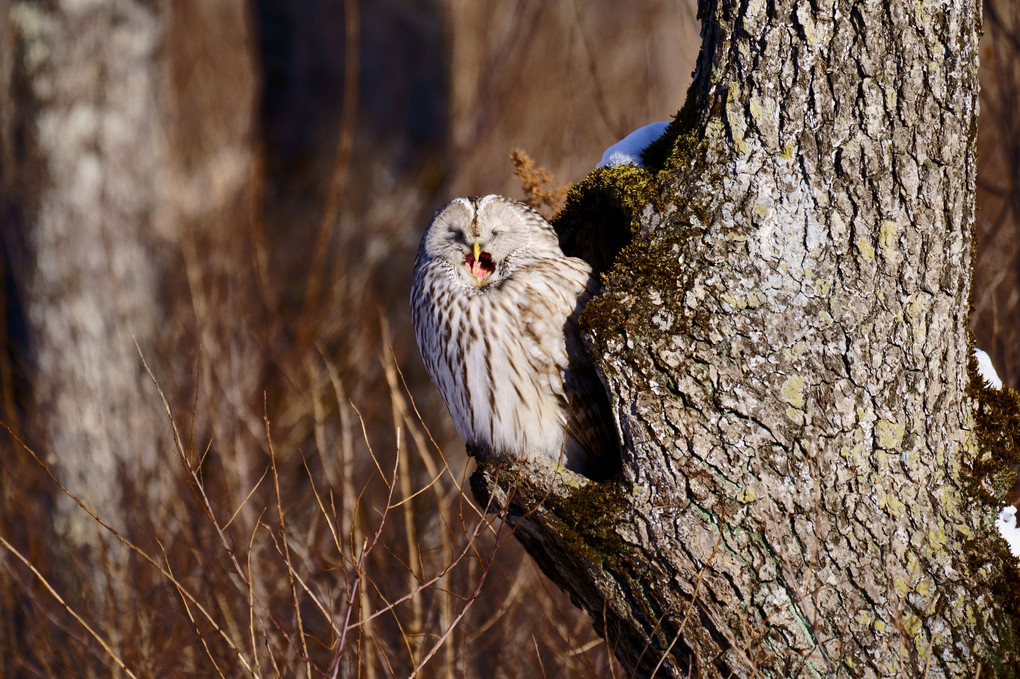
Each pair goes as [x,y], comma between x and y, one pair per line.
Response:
[786,342]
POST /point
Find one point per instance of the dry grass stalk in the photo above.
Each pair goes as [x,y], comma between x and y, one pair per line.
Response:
[384,580]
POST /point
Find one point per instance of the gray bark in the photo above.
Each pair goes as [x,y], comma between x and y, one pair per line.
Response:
[121,157]
[91,192]
[786,342]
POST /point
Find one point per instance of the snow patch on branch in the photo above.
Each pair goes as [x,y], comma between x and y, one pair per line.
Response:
[987,370]
[1006,523]
[628,150]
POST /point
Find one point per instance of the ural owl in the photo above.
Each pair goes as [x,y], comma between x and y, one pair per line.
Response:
[494,305]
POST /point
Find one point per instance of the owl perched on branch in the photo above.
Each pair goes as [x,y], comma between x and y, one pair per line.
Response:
[494,305]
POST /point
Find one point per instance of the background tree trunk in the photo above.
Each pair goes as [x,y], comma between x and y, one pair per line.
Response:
[85,168]
[786,342]
[119,163]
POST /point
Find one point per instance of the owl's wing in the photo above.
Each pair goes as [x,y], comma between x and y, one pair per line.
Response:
[552,341]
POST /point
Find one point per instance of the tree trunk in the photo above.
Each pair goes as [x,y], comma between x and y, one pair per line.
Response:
[786,343]
[85,173]
[126,147]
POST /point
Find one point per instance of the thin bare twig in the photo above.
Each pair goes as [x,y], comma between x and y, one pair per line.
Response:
[81,621]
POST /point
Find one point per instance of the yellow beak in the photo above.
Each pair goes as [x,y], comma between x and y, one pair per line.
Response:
[480,268]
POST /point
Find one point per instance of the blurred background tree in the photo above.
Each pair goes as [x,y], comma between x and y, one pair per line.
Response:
[239,188]
[997,266]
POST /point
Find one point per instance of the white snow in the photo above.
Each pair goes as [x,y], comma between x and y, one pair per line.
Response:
[628,150]
[986,369]
[1006,523]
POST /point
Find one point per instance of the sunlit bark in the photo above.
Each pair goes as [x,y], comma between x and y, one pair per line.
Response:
[786,342]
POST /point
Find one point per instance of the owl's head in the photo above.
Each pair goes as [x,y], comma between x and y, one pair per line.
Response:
[483,240]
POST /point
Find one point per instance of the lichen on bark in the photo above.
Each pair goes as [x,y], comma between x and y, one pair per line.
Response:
[785,337]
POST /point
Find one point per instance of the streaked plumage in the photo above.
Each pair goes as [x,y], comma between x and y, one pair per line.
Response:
[494,305]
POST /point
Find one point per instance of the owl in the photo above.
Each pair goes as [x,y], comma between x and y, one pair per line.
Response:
[494,305]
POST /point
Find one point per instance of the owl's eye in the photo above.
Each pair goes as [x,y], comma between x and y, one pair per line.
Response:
[459,238]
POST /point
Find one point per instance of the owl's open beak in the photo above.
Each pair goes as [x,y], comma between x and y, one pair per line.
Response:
[479,263]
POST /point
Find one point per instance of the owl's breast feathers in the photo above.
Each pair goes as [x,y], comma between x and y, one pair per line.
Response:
[591,443]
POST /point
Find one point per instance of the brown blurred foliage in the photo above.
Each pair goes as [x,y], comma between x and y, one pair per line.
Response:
[286,511]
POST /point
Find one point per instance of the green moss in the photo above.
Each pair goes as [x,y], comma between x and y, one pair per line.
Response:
[590,515]
[997,424]
[584,516]
[1004,585]
[997,428]
[602,212]
[675,144]
[641,266]
[601,223]
[600,215]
